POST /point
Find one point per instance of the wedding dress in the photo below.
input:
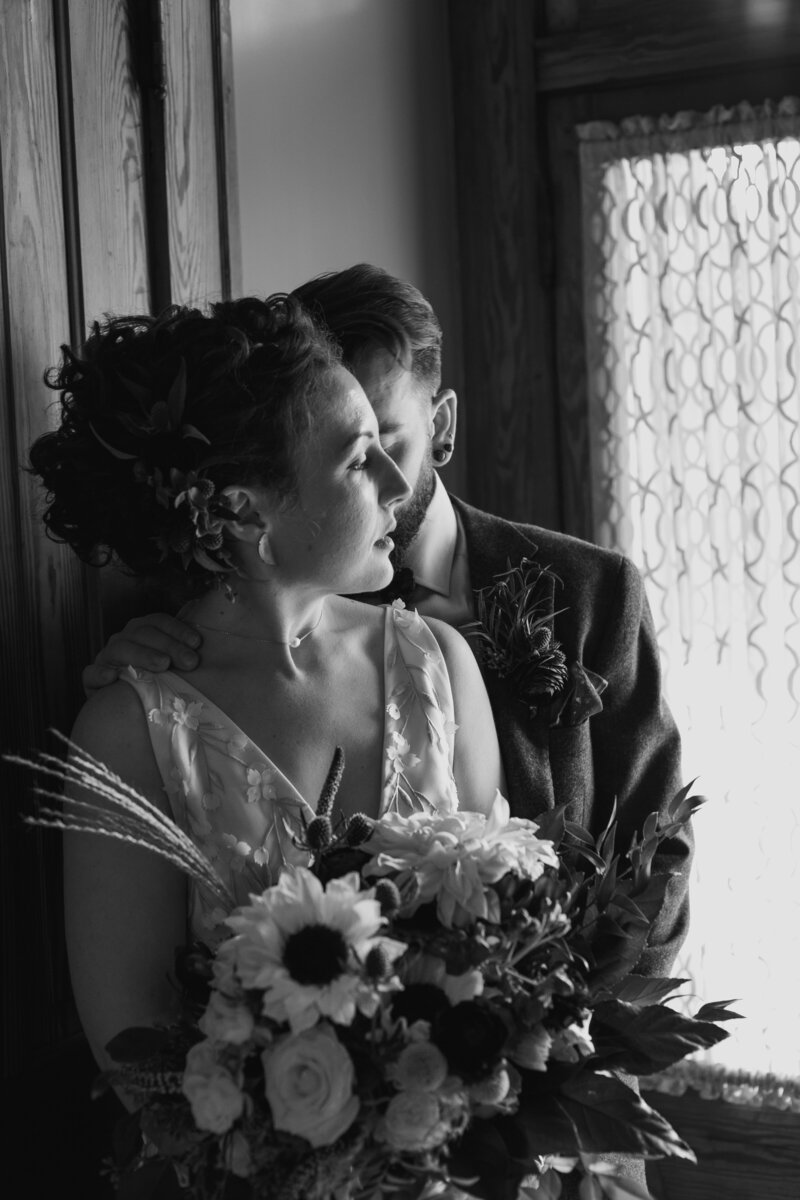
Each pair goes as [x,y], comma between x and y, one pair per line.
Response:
[244,813]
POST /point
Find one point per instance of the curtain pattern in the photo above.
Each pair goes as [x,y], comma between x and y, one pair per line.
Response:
[692,319]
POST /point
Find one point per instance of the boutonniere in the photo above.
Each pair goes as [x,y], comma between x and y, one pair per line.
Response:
[514,632]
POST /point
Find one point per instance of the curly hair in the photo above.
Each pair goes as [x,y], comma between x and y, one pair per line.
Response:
[159,414]
[364,306]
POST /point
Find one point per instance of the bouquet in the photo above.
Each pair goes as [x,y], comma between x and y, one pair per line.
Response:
[437,1005]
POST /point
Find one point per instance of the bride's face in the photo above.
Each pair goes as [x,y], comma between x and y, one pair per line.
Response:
[336,534]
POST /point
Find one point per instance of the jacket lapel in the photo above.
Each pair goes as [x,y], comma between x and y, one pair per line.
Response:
[492,544]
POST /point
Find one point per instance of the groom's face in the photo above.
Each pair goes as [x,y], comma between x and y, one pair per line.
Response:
[403,407]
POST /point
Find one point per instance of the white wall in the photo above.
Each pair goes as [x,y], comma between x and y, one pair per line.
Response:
[343,132]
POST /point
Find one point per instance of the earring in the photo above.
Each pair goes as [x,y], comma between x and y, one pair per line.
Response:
[442,453]
[264,552]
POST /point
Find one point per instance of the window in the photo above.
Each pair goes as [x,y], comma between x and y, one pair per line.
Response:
[692,322]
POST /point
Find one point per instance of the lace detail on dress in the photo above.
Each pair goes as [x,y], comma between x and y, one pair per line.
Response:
[244,813]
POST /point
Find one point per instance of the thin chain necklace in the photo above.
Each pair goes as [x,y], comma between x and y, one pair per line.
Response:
[293,643]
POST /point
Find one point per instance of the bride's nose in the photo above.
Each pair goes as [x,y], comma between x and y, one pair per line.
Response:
[395,488]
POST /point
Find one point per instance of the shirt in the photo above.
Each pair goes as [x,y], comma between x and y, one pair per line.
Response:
[438,558]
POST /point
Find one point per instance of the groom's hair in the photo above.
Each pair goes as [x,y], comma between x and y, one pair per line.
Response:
[364,307]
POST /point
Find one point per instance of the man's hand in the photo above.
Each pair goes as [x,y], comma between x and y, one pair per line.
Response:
[152,643]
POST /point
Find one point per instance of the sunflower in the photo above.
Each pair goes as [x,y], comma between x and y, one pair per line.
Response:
[305,947]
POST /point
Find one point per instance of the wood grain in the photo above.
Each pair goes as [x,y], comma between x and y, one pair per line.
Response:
[42,596]
[743,1153]
[109,160]
[195,264]
[616,40]
[511,431]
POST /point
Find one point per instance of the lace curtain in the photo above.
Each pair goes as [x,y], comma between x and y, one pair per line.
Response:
[692,302]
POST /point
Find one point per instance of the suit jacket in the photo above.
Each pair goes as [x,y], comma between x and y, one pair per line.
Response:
[631,750]
[628,752]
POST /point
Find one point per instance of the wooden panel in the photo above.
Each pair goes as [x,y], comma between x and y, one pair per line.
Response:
[42,597]
[227,167]
[109,160]
[614,40]
[191,153]
[743,1153]
[504,248]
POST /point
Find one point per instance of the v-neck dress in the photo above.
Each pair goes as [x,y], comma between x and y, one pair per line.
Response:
[244,813]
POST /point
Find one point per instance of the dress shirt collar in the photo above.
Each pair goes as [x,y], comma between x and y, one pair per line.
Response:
[430,555]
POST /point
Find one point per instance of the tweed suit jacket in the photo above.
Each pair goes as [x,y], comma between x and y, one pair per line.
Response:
[629,752]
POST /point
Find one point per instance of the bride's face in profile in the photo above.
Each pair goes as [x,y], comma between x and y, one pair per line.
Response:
[337,533]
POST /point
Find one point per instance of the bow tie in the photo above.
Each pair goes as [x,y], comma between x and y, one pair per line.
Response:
[401,588]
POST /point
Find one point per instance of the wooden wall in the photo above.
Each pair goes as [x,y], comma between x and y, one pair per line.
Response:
[116,194]
[525,72]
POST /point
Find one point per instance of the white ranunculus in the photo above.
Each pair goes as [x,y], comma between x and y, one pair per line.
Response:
[572,1044]
[226,1020]
[421,1067]
[531,1048]
[309,1085]
[456,856]
[414,1122]
[214,1095]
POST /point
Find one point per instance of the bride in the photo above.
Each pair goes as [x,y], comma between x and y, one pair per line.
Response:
[232,449]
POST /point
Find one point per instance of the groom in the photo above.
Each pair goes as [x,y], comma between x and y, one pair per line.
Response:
[607,736]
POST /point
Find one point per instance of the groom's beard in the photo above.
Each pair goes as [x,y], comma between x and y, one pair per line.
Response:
[411,514]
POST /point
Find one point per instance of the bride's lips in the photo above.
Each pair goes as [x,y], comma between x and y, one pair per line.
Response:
[387,541]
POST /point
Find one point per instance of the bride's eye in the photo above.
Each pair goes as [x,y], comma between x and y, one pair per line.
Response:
[359,464]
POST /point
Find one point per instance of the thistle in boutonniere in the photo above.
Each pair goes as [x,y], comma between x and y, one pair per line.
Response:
[515,634]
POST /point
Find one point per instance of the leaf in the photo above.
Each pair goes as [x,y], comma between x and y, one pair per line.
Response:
[579,833]
[552,824]
[484,1157]
[176,398]
[154,1180]
[141,393]
[645,1039]
[126,1139]
[639,989]
[121,454]
[717,1010]
[137,1043]
[609,1117]
[683,806]
[191,431]
[617,1187]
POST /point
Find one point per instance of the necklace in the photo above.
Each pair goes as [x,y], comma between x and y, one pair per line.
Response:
[293,643]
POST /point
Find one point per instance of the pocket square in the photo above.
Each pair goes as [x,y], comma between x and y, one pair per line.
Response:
[579,699]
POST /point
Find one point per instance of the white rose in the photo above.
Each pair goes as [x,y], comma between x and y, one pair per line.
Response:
[226,1021]
[309,1085]
[213,1093]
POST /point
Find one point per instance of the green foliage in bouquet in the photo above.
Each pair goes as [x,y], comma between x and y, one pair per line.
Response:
[439,1005]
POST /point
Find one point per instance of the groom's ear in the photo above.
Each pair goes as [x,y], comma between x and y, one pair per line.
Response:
[251,512]
[444,412]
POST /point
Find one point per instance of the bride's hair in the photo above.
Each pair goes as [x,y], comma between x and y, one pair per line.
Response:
[159,414]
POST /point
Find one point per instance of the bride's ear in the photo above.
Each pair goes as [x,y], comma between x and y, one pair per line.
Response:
[250,513]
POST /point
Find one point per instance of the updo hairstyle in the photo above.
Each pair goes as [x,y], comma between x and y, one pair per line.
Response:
[159,414]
